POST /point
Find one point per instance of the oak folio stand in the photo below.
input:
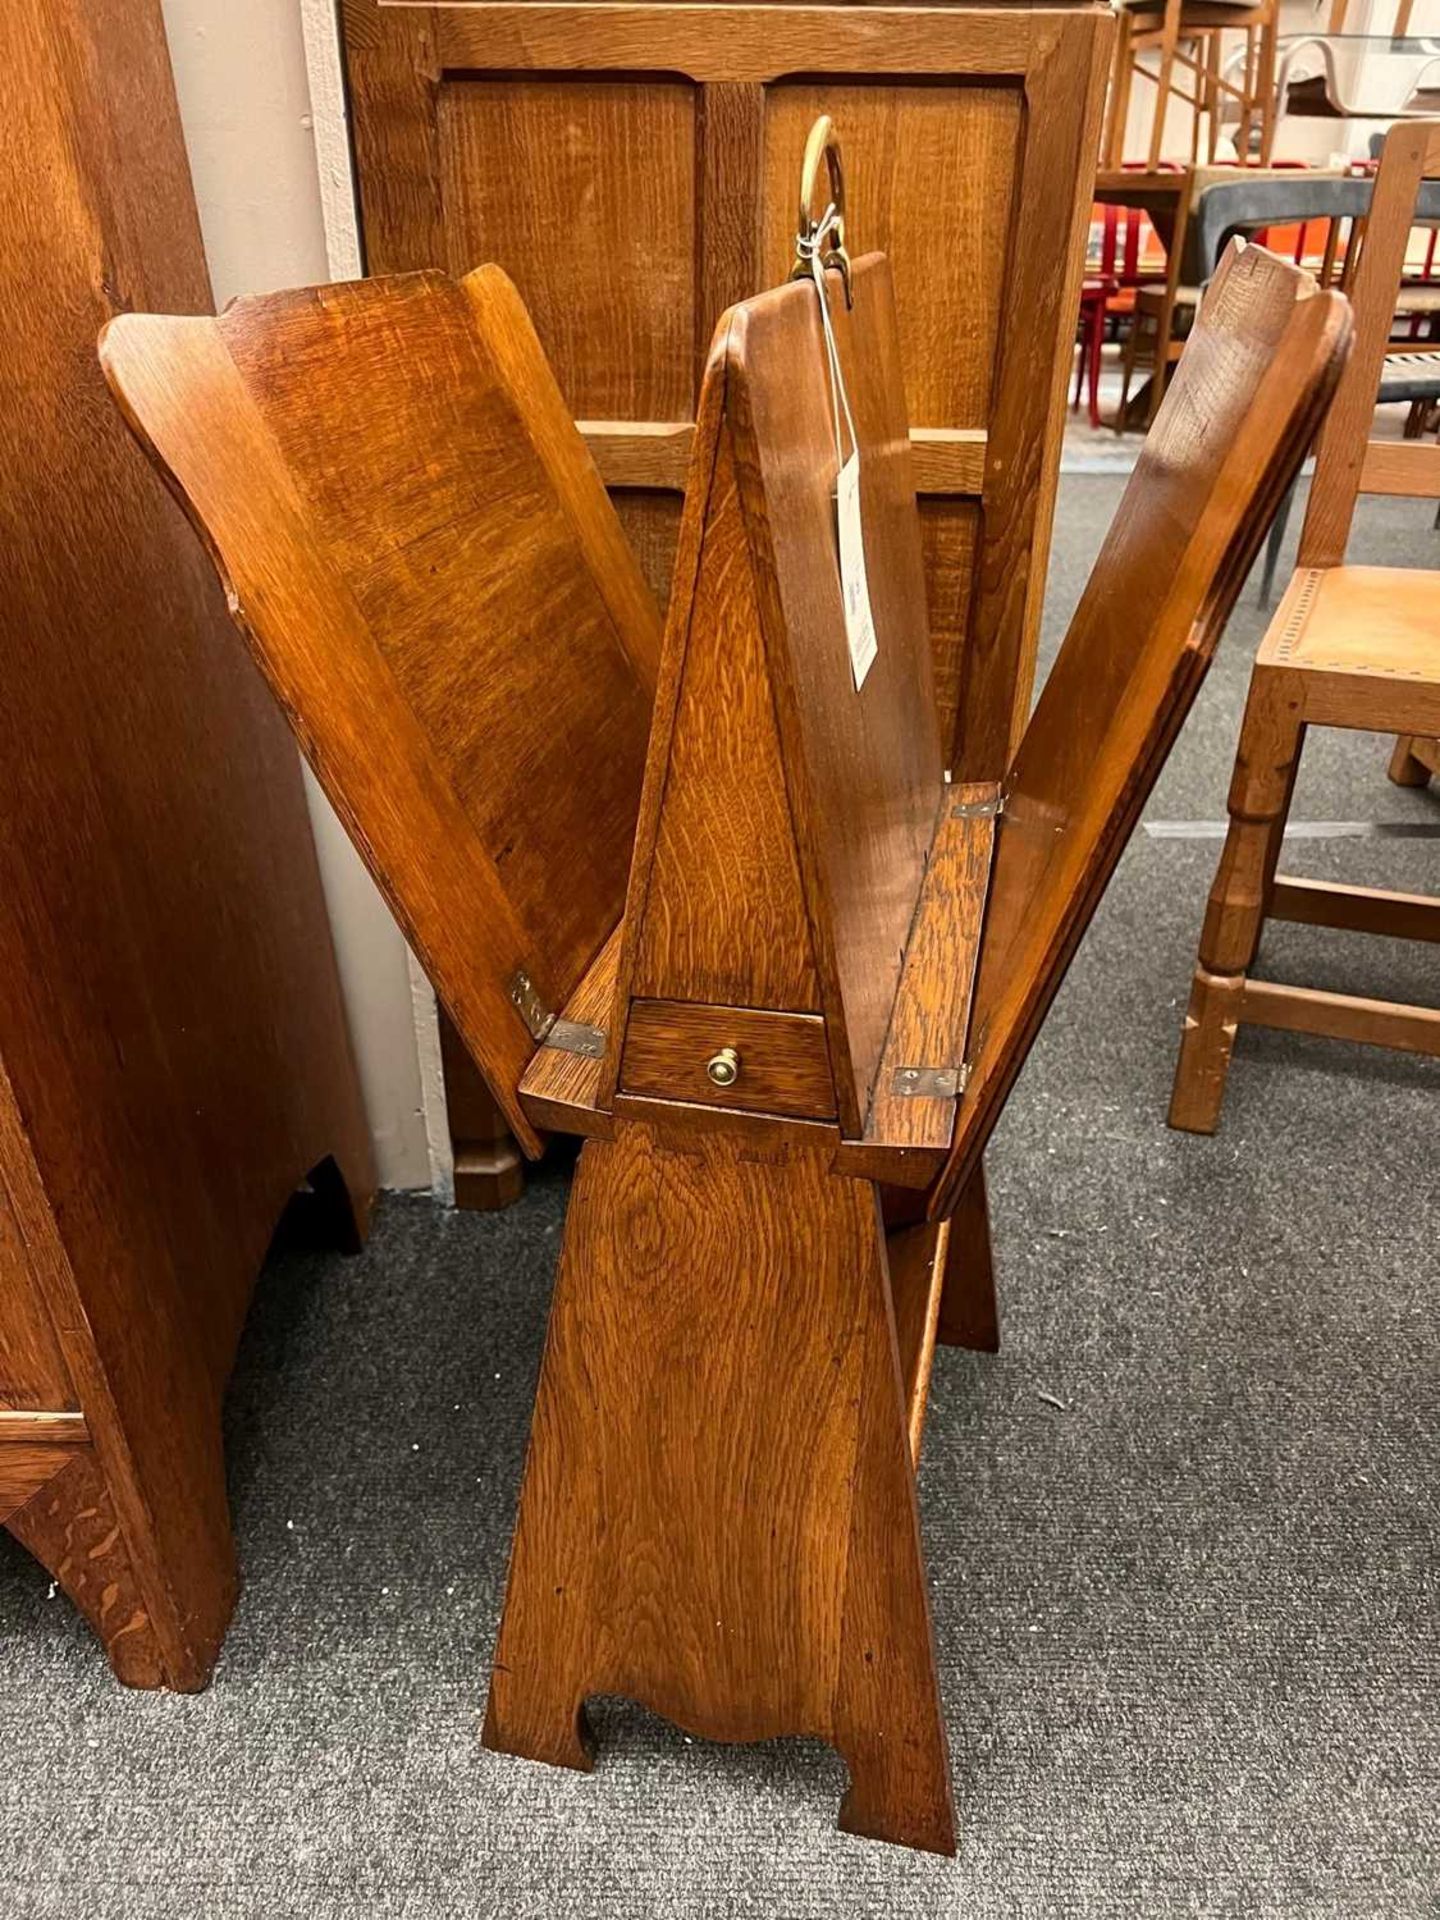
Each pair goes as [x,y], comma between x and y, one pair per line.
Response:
[808,1041]
[789,1038]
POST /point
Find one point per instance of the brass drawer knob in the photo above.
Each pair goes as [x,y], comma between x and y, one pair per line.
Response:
[724,1067]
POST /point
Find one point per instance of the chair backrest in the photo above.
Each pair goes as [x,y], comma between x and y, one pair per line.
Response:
[1234,425]
[431,576]
[1347,461]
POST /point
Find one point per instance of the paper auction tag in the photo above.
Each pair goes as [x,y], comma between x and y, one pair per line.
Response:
[854,587]
[849,528]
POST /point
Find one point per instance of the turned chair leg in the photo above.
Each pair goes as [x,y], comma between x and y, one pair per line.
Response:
[1265,84]
[718,1515]
[1271,737]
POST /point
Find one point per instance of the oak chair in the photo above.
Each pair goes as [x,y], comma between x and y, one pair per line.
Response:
[1189,38]
[790,1052]
[1348,647]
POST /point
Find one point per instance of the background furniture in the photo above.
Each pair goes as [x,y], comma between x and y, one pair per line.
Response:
[1339,205]
[567,142]
[1128,257]
[1165,312]
[1189,35]
[1415,761]
[1361,76]
[173,1055]
[1348,647]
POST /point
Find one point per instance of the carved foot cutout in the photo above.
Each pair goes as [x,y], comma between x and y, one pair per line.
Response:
[562,1738]
[873,1810]
[71,1529]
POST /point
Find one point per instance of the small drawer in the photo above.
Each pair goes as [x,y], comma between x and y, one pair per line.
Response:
[744,1058]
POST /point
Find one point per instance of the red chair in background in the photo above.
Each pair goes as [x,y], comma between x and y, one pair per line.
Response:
[1125,255]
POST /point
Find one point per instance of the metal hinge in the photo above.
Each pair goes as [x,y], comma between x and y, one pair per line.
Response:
[573,1036]
[929,1083]
[979,809]
[566,1036]
[528,1004]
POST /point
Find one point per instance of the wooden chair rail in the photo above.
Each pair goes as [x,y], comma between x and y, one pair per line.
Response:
[1340,1016]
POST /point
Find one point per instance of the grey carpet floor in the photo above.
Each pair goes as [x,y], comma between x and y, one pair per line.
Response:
[1187,1617]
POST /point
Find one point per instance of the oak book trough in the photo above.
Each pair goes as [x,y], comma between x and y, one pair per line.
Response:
[757,945]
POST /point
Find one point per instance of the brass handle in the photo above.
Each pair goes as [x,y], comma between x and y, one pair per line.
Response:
[824,236]
[724,1067]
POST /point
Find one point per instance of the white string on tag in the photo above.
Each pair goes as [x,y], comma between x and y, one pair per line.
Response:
[839,400]
[850,538]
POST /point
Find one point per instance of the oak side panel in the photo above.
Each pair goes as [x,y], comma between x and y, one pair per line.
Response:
[32,1372]
[651,520]
[724,856]
[172,1044]
[929,175]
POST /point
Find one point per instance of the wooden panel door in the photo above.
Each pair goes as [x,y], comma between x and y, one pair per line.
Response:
[635,170]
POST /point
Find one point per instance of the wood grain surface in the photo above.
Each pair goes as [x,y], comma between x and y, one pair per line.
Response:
[970,135]
[1234,426]
[783,1064]
[438,592]
[718,1516]
[173,1053]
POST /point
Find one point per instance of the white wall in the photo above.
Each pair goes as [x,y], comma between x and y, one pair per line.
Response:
[240,72]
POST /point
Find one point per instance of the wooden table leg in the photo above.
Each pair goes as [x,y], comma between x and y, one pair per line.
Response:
[969,1315]
[718,1516]
[489,1167]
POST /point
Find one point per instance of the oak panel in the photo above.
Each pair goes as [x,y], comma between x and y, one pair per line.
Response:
[437,588]
[723,855]
[950,533]
[929,175]
[32,1373]
[864,769]
[561,1090]
[718,1515]
[930,1020]
[603,254]
[1227,441]
[650,518]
